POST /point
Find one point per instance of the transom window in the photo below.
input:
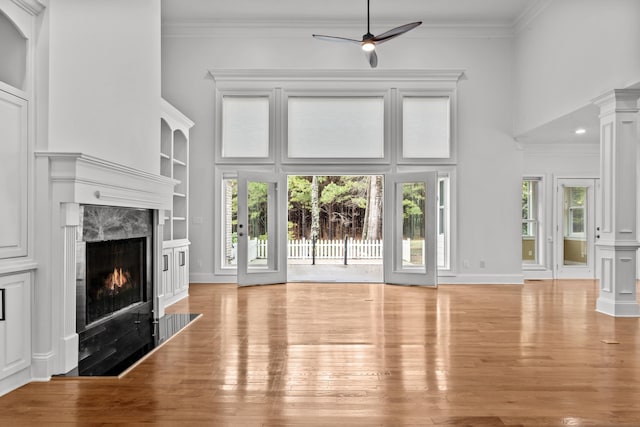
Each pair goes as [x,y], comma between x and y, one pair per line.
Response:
[425,127]
[335,127]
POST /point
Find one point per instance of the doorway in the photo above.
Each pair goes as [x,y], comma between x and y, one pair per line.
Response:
[335,225]
[576,228]
[271,236]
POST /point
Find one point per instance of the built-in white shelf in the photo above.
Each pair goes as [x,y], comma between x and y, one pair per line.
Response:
[174,163]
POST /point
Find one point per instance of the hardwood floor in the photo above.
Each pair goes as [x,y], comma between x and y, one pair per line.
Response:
[367,355]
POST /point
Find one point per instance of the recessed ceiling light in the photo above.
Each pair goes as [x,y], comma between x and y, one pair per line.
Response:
[580,131]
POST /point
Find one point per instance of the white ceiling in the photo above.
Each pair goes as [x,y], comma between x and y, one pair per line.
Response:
[479,12]
[562,129]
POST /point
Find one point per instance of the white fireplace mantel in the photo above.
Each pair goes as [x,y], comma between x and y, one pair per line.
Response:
[86,179]
[76,179]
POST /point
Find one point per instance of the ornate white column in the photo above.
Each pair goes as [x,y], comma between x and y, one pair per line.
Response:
[618,241]
[69,221]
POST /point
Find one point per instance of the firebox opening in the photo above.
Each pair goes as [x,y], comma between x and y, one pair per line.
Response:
[115,276]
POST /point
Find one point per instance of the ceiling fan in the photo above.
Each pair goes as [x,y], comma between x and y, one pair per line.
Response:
[369,41]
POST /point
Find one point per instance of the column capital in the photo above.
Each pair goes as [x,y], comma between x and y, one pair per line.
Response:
[69,214]
[618,100]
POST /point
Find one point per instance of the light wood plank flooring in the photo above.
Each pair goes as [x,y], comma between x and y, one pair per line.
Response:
[367,355]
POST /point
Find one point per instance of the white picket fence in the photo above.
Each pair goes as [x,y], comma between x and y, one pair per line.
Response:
[325,249]
[334,249]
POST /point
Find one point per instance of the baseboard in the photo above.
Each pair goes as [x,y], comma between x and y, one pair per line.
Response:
[15,381]
[482,279]
[211,278]
[458,279]
[617,308]
[175,298]
[42,366]
[70,345]
[537,274]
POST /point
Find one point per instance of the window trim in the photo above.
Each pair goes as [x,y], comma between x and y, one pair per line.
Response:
[538,234]
[385,95]
[451,94]
[219,99]
[279,84]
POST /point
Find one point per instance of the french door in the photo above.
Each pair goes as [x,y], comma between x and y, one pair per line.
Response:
[262,228]
[410,233]
[575,228]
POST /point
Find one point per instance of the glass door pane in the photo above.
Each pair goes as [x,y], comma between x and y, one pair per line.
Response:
[575,236]
[414,216]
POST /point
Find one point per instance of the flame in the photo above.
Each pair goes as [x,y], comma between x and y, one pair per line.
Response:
[116,280]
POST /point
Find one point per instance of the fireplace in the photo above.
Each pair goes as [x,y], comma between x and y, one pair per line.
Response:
[114,287]
[79,185]
[115,276]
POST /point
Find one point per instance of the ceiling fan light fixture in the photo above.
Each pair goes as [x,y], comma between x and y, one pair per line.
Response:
[368,46]
[369,41]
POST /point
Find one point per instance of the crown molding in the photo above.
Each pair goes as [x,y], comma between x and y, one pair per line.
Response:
[529,15]
[553,149]
[235,75]
[34,7]
[246,28]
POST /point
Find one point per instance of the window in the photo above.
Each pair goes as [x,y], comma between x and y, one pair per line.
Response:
[245,126]
[575,198]
[230,221]
[335,127]
[330,121]
[530,221]
[444,233]
[425,127]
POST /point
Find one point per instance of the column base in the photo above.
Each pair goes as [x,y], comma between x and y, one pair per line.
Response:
[69,360]
[42,366]
[618,309]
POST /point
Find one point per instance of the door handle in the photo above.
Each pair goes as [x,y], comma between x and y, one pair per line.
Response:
[3,316]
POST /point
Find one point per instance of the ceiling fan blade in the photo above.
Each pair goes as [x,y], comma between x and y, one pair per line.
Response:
[336,39]
[372,57]
[395,32]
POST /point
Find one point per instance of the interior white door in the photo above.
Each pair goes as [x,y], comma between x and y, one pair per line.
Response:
[575,228]
[262,228]
[410,233]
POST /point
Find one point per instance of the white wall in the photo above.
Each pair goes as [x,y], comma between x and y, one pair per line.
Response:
[13,51]
[572,52]
[489,170]
[104,80]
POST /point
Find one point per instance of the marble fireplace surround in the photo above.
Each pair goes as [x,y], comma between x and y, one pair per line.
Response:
[78,179]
